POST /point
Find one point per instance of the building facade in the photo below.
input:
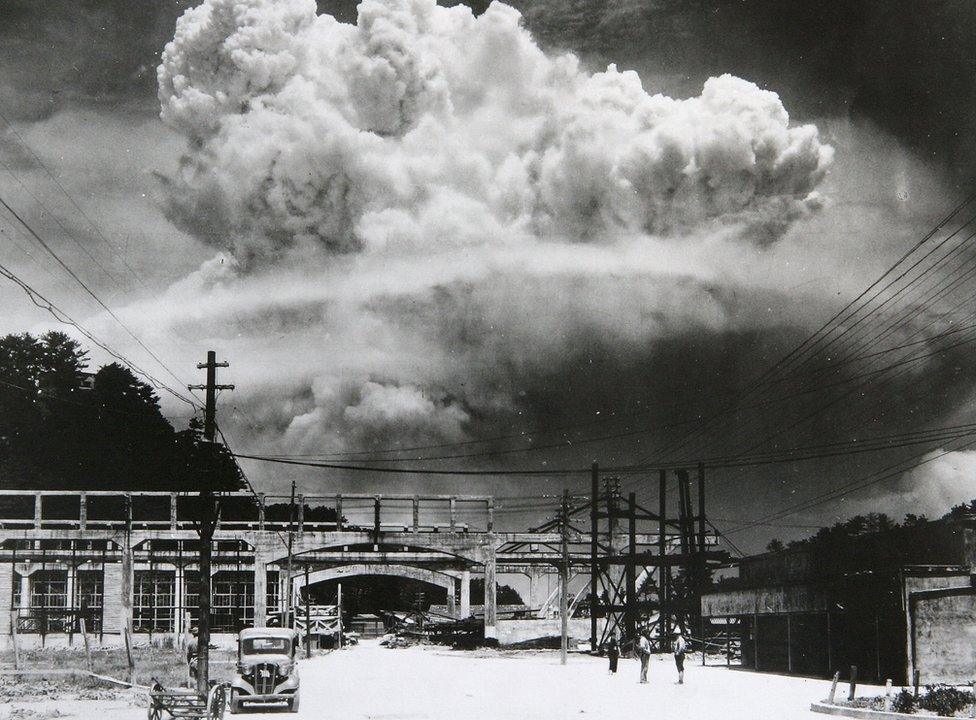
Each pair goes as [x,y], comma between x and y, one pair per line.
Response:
[888,604]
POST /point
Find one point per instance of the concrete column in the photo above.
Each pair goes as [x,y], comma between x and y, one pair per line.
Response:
[6,598]
[260,590]
[536,597]
[491,609]
[125,589]
[466,593]
[38,510]
[178,594]
[451,608]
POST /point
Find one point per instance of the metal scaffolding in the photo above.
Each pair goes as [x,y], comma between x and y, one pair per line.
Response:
[648,569]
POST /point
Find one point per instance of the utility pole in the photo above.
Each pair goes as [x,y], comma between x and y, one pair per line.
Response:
[291,542]
[564,580]
[208,517]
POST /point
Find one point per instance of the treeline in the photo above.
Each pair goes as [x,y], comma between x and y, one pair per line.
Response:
[63,428]
[876,540]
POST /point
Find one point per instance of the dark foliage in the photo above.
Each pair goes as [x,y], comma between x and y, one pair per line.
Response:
[61,428]
[904,702]
[944,700]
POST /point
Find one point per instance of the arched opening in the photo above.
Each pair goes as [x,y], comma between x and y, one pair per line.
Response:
[370,602]
[375,596]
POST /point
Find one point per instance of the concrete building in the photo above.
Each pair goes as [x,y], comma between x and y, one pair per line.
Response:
[888,603]
[127,562]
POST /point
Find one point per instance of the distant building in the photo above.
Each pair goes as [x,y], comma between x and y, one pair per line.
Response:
[888,603]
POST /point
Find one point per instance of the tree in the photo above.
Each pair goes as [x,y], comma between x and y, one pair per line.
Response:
[57,434]
[775,545]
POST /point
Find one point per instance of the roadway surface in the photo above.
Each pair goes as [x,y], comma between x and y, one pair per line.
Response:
[369,681]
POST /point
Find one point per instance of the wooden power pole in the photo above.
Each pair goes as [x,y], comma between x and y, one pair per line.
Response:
[208,517]
[564,579]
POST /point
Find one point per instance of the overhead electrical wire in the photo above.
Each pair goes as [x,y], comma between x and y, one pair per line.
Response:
[88,290]
[61,316]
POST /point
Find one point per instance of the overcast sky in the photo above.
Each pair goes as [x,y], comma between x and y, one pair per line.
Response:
[442,227]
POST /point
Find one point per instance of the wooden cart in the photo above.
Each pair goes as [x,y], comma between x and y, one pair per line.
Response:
[187,703]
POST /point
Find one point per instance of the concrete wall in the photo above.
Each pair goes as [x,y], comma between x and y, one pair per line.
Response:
[516,631]
[944,635]
[763,601]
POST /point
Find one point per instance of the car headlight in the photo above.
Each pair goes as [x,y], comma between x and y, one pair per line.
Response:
[284,670]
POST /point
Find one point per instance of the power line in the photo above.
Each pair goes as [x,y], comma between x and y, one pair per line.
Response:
[61,316]
[87,289]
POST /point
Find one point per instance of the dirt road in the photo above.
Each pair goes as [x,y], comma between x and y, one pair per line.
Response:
[435,683]
[368,681]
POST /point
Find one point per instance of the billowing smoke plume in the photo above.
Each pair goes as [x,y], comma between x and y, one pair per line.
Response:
[443,218]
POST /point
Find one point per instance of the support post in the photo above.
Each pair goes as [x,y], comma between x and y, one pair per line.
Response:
[465,593]
[173,514]
[630,602]
[308,616]
[301,514]
[38,510]
[853,686]
[84,635]
[594,570]
[490,503]
[210,517]
[416,513]
[662,572]
[14,640]
[260,511]
[701,507]
[289,618]
[564,580]
[83,511]
[453,502]
[376,522]
[833,688]
[339,513]
[130,663]
[339,610]
[789,644]
[490,607]
[260,590]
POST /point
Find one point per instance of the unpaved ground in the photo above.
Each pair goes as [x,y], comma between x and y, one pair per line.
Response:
[419,683]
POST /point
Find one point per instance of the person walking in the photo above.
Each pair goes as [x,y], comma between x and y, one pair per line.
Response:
[680,648]
[613,652]
[644,652]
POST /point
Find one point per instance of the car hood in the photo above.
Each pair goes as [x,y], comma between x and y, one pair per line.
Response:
[251,660]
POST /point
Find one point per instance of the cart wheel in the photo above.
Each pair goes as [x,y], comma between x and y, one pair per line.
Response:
[217,702]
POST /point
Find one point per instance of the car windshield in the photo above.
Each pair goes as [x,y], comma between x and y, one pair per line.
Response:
[266,646]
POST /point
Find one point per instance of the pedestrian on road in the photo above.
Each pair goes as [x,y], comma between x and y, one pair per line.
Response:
[680,648]
[644,652]
[192,649]
[613,652]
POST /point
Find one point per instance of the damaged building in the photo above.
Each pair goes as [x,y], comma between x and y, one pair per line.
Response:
[888,603]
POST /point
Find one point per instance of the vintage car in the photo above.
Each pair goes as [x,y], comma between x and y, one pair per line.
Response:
[266,670]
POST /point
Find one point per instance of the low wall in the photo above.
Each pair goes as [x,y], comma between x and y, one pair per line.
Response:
[511,632]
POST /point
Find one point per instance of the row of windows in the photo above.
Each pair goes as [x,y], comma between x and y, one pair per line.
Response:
[156,606]
[51,609]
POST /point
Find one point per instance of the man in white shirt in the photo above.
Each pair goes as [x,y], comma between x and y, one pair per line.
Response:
[680,648]
[644,653]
